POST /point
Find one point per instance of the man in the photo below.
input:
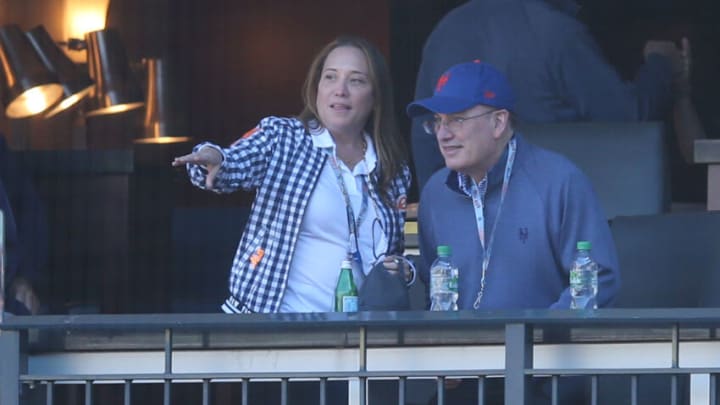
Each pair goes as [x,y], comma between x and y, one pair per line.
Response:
[512,212]
[501,197]
[553,63]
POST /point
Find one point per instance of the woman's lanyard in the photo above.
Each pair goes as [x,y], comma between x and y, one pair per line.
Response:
[353,222]
[477,197]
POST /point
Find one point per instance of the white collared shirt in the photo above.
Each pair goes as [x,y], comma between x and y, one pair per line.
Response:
[324,233]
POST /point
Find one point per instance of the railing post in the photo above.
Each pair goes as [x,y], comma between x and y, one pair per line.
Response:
[674,397]
[167,388]
[518,358]
[10,367]
[363,366]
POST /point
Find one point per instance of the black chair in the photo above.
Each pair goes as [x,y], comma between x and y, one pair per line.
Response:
[204,241]
[666,261]
[627,163]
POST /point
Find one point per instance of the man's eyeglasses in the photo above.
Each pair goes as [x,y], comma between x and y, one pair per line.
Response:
[453,124]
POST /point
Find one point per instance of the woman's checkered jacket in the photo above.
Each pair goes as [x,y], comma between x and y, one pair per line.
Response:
[279,161]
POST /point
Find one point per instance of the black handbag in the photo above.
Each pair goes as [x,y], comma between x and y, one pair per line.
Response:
[383,291]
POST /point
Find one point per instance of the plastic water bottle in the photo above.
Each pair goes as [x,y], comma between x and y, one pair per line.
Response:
[583,278]
[346,293]
[443,281]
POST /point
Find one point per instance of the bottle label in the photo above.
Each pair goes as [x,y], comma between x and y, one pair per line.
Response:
[349,303]
[575,278]
[452,283]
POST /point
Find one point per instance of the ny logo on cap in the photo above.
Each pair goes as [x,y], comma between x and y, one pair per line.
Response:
[442,81]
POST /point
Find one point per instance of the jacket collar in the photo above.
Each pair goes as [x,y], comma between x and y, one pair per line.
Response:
[494,176]
[322,139]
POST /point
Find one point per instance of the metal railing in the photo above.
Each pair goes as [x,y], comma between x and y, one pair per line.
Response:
[421,349]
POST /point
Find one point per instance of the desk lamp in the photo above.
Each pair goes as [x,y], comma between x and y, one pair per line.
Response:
[74,80]
[116,90]
[31,87]
[158,146]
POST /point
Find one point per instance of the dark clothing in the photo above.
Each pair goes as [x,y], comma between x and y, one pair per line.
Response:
[555,67]
[26,235]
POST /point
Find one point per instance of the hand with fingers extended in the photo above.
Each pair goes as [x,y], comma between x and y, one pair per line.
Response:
[208,157]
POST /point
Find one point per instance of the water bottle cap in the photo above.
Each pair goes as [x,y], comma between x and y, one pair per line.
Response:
[346,264]
[584,245]
[444,250]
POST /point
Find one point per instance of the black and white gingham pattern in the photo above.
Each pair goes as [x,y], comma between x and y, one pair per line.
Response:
[280,161]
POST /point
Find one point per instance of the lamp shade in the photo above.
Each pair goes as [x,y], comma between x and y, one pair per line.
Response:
[158,113]
[75,81]
[31,87]
[156,100]
[116,89]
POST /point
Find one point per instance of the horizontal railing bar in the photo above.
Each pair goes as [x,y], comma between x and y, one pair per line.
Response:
[623,371]
[264,375]
[616,317]
[424,374]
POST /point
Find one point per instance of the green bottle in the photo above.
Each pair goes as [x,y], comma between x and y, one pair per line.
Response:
[346,293]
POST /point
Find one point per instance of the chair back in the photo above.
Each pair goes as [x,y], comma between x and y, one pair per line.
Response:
[627,163]
[204,241]
[668,260]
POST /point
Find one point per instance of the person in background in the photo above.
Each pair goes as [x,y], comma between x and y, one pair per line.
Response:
[26,236]
[555,66]
[330,184]
[511,211]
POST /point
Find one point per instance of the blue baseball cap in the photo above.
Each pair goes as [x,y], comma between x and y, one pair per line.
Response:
[464,86]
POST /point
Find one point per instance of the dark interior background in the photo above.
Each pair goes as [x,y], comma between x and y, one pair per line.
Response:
[236,62]
[232,62]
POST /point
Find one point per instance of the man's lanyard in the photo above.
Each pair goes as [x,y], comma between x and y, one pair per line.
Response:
[477,197]
[353,222]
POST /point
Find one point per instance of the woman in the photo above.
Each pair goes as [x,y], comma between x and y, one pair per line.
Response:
[330,184]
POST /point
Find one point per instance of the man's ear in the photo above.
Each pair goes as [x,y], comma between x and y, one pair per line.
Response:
[501,120]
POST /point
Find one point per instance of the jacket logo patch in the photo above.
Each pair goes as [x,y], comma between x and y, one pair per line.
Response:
[256,257]
[523,234]
[246,135]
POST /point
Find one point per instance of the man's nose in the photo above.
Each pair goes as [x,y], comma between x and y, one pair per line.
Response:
[442,131]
